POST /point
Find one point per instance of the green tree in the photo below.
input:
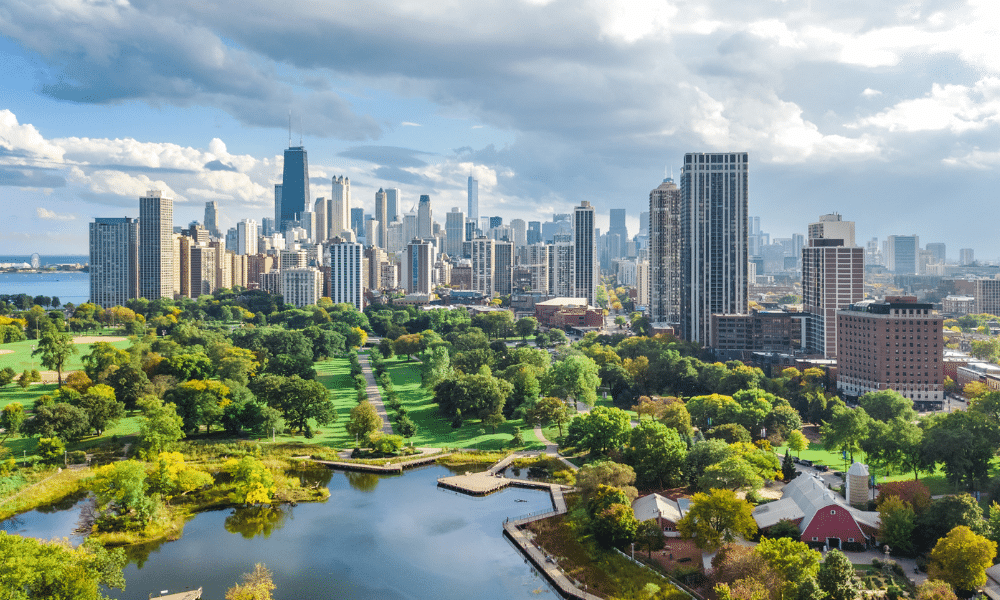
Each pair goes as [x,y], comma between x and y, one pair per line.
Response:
[615,526]
[549,410]
[733,473]
[102,408]
[887,405]
[303,399]
[252,480]
[602,429]
[704,454]
[943,515]
[255,585]
[526,326]
[35,570]
[7,375]
[837,578]
[58,419]
[717,517]
[55,348]
[436,366]
[121,495]
[935,589]
[605,472]
[787,467]
[847,428]
[576,377]
[101,358]
[159,426]
[408,345]
[200,403]
[961,559]
[12,420]
[964,443]
[51,448]
[793,560]
[797,442]
[129,382]
[897,521]
[657,454]
[363,421]
[649,537]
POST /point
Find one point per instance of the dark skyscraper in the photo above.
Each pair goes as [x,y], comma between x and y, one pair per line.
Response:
[294,185]
[358,222]
[534,232]
[496,222]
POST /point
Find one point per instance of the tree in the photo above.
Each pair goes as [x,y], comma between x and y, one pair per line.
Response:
[615,526]
[846,430]
[797,442]
[676,416]
[12,420]
[961,559]
[600,430]
[7,375]
[408,344]
[253,482]
[787,467]
[887,405]
[35,570]
[945,514]
[101,358]
[436,366]
[717,517]
[576,377]
[649,537]
[897,521]
[605,472]
[781,422]
[303,399]
[657,454]
[525,326]
[364,420]
[549,410]
[256,585]
[733,473]
[793,560]
[704,454]
[121,495]
[200,402]
[55,348]
[159,426]
[935,589]
[836,577]
[102,408]
[58,419]
[964,443]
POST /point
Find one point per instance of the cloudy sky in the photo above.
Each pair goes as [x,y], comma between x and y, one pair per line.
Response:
[887,112]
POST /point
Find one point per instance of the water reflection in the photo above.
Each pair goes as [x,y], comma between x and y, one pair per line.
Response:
[252,521]
[363,482]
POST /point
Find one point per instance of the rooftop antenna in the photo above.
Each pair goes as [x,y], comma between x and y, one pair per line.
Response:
[289,128]
[300,130]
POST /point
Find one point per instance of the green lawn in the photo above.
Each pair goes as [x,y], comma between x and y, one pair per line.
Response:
[14,393]
[21,358]
[434,429]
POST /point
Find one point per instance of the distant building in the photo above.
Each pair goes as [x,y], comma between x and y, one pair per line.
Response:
[294,186]
[114,261]
[902,252]
[345,262]
[568,312]
[833,276]
[966,256]
[301,286]
[893,344]
[473,199]
[585,268]
[988,296]
[212,218]
[418,266]
[958,305]
[156,246]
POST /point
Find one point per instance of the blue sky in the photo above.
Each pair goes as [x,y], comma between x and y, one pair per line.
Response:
[888,114]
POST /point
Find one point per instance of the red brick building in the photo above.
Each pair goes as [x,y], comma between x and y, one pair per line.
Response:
[568,312]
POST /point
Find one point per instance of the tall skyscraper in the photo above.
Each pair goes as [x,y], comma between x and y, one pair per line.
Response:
[345,260]
[418,263]
[392,204]
[664,254]
[520,230]
[534,233]
[584,249]
[833,277]
[901,254]
[114,261]
[294,185]
[503,266]
[156,246]
[277,207]
[454,228]
[381,207]
[483,266]
[319,209]
[339,215]
[246,237]
[358,221]
[714,198]
[473,208]
[212,218]
[425,228]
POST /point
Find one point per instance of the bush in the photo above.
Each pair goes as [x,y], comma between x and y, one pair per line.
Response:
[77,457]
[51,448]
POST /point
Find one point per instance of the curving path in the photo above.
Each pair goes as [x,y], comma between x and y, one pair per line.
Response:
[374,396]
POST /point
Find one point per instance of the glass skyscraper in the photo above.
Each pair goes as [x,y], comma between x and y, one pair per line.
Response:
[294,185]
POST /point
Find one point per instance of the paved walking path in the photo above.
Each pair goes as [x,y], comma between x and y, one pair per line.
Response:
[374,396]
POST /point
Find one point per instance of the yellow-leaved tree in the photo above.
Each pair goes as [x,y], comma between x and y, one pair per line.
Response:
[253,481]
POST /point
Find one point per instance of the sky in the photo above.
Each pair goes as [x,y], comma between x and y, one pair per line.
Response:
[886,112]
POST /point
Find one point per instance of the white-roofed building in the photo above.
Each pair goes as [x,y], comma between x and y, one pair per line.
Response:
[667,512]
[822,515]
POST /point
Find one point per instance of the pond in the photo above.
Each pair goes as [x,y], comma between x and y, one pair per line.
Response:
[377,537]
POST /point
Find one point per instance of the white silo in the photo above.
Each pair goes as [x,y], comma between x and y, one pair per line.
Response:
[857,484]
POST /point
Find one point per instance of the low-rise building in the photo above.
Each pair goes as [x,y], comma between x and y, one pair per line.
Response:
[666,511]
[568,312]
[760,331]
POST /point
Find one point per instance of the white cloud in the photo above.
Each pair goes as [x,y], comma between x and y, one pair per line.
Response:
[870,93]
[24,145]
[409,124]
[956,108]
[44,213]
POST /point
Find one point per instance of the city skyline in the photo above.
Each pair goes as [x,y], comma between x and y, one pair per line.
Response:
[603,114]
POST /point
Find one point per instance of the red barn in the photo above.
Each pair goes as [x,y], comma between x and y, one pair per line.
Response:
[823,517]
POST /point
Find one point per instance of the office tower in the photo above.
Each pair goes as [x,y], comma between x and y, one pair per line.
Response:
[873,256]
[496,222]
[832,227]
[182,266]
[409,227]
[230,238]
[535,259]
[454,226]
[396,241]
[114,261]
[644,222]
[714,258]
[371,232]
[418,263]
[307,222]
[203,272]
[584,248]
[345,261]
[277,207]
[665,217]
[358,221]
[503,265]
[267,226]
[375,258]
[294,185]
[833,277]
[319,209]
[901,254]
[301,286]
[938,252]
[156,246]
[642,284]
[424,218]
[619,228]
[869,337]
[534,234]
[212,218]
[392,204]
[381,208]
[473,198]
[246,237]
[483,266]
[966,256]
[519,228]
[339,215]
[484,225]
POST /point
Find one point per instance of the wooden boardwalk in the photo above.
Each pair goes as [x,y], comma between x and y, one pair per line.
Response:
[189,595]
[388,468]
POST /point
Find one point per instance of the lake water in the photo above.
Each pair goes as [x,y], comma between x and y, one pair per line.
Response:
[377,538]
[69,286]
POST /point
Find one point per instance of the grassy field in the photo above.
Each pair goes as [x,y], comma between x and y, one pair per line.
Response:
[21,358]
[434,429]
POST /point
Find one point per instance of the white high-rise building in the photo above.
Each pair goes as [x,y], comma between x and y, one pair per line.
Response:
[339,210]
[473,197]
[156,246]
[246,237]
[381,239]
[519,231]
[301,286]
[642,282]
[114,261]
[418,266]
[664,280]
[714,197]
[322,222]
[832,227]
[585,268]
[410,230]
[396,241]
[345,260]
[392,206]
[454,226]
[483,266]
[425,219]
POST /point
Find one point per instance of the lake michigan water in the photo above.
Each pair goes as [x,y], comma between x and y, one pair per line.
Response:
[69,286]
